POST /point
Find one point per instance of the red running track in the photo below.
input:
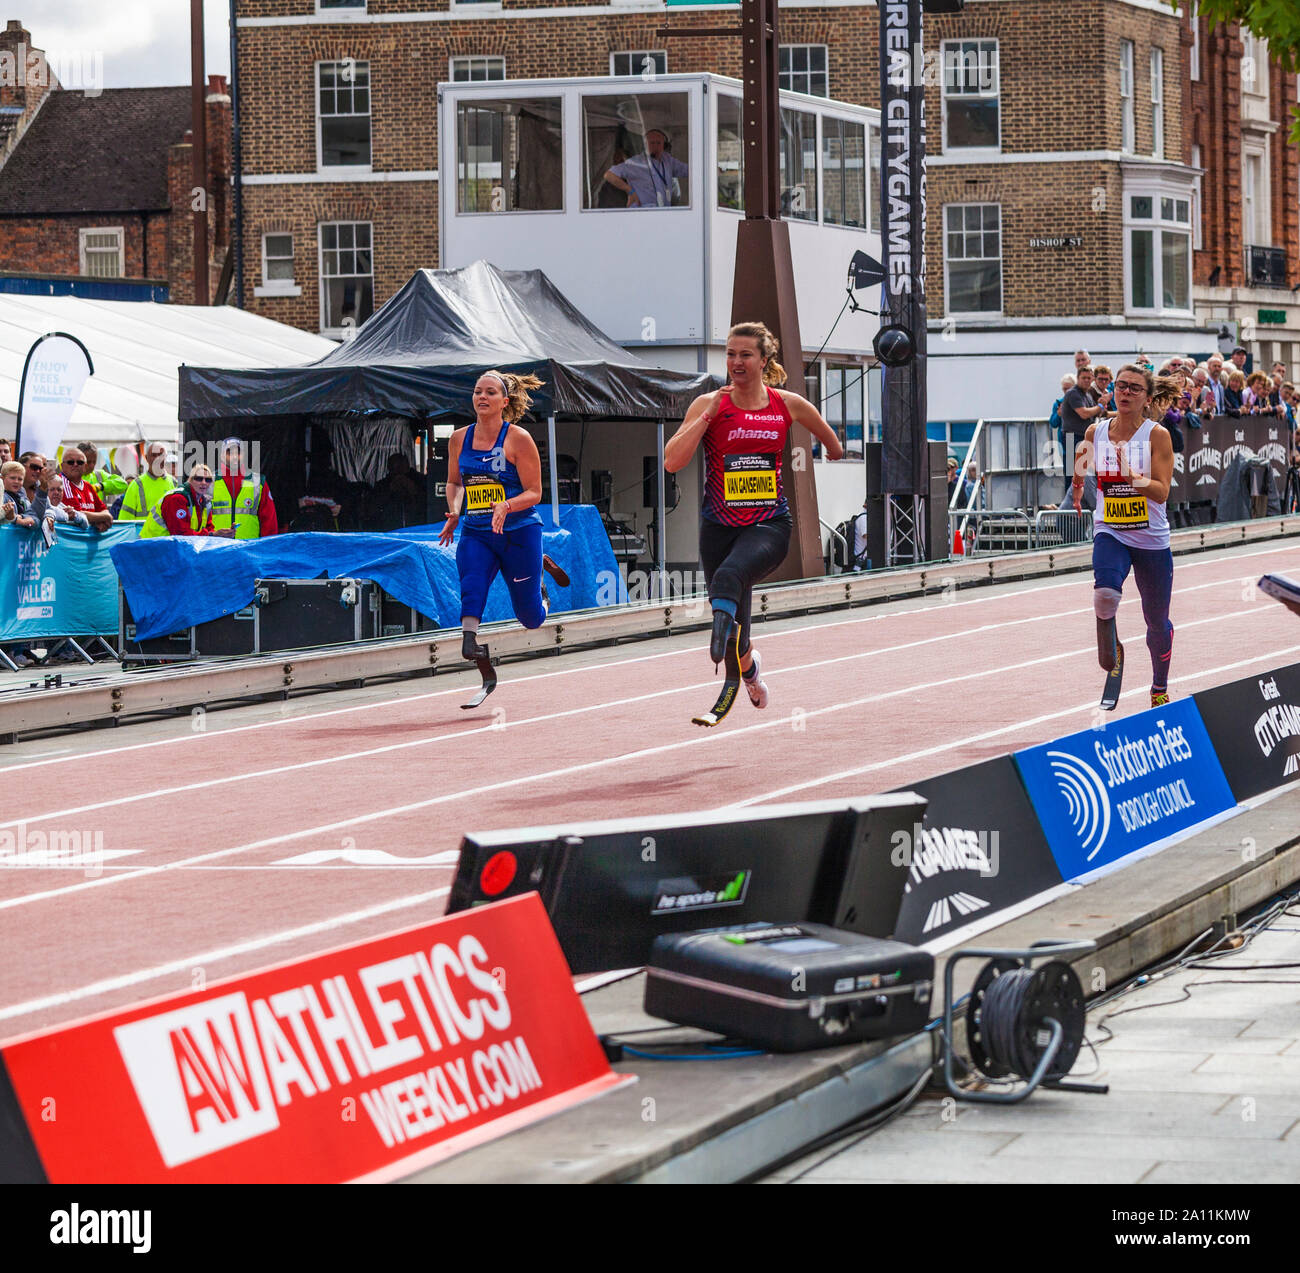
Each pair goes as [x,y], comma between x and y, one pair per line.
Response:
[248,844]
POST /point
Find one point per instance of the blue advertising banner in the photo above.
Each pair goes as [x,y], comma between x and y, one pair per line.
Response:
[68,589]
[1102,794]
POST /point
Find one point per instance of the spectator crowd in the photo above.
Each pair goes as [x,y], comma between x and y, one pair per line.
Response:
[1210,388]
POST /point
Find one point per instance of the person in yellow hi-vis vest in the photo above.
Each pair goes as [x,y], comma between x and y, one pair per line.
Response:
[242,507]
[187,511]
[148,488]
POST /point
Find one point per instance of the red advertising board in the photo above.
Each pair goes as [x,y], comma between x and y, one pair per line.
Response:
[365,1063]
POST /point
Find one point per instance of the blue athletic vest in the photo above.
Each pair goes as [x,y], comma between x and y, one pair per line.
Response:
[488,477]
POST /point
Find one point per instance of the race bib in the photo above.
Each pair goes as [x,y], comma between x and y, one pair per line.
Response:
[1123,507]
[480,496]
[749,481]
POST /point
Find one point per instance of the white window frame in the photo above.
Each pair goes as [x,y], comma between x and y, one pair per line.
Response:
[807,92]
[476,57]
[1158,225]
[1198,236]
[321,166]
[976,314]
[1128,120]
[340,333]
[642,54]
[995,95]
[1255,147]
[1194,54]
[354,6]
[277,286]
[1157,103]
[119,231]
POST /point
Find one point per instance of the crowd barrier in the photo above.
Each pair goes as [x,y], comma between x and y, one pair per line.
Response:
[65,590]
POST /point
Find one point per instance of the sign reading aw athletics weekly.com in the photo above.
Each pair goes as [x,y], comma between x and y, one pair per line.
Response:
[366,1063]
[1102,794]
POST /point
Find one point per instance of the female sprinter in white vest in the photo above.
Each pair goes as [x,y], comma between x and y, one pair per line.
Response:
[1133,458]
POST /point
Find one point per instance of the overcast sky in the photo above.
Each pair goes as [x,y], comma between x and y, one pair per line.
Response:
[139,43]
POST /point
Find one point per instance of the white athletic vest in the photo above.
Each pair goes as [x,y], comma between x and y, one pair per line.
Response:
[1122,509]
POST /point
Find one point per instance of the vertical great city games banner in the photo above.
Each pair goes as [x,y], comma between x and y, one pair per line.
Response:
[902,206]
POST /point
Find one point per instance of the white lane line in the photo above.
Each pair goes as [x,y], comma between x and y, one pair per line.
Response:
[585,766]
[499,726]
[191,962]
[922,605]
[992,733]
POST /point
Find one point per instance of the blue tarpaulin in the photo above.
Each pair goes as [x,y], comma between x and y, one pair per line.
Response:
[172,584]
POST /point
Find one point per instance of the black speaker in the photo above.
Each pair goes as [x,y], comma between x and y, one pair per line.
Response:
[935,509]
[602,487]
[650,484]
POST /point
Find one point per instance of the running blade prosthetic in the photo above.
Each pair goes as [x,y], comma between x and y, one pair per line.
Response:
[485,670]
[1114,681]
[730,685]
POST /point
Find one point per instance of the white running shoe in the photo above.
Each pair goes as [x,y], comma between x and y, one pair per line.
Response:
[755,688]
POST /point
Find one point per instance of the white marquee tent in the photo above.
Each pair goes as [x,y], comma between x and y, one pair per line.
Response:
[136,348]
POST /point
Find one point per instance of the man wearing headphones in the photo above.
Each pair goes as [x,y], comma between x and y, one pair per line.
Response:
[648,179]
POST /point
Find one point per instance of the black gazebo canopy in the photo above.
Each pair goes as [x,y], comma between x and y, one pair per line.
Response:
[419,355]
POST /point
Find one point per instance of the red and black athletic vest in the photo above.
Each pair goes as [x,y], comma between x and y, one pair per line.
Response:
[742,463]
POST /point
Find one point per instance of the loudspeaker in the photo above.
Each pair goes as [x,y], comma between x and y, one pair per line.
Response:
[650,484]
[935,503]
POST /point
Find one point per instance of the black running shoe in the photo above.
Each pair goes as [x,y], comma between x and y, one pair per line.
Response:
[722,625]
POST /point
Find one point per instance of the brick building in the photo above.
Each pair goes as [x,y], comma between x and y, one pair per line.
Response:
[1246,236]
[1064,175]
[98,185]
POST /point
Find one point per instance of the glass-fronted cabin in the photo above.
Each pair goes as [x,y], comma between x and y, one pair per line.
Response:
[627,193]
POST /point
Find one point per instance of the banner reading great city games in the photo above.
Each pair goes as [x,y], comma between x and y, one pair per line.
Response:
[67,589]
[54,375]
[902,208]
[366,1063]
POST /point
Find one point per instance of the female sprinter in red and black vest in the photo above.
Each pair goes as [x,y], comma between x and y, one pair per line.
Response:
[745,522]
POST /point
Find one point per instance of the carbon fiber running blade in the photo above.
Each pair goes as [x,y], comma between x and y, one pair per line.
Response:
[1114,682]
[488,673]
[726,701]
[730,686]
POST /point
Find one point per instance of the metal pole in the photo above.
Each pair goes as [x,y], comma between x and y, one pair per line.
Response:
[555,483]
[662,537]
[199,158]
[237,162]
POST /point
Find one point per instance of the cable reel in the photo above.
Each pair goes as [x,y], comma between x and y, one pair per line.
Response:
[1022,1022]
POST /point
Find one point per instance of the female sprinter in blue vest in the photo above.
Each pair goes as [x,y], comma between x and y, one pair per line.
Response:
[494,470]
[745,522]
[1133,458]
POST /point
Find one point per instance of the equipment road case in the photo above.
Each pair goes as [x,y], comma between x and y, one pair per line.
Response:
[790,987]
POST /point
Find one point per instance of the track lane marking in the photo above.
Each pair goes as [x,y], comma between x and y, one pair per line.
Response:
[977,738]
[919,605]
[126,980]
[567,771]
[498,727]
[188,964]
